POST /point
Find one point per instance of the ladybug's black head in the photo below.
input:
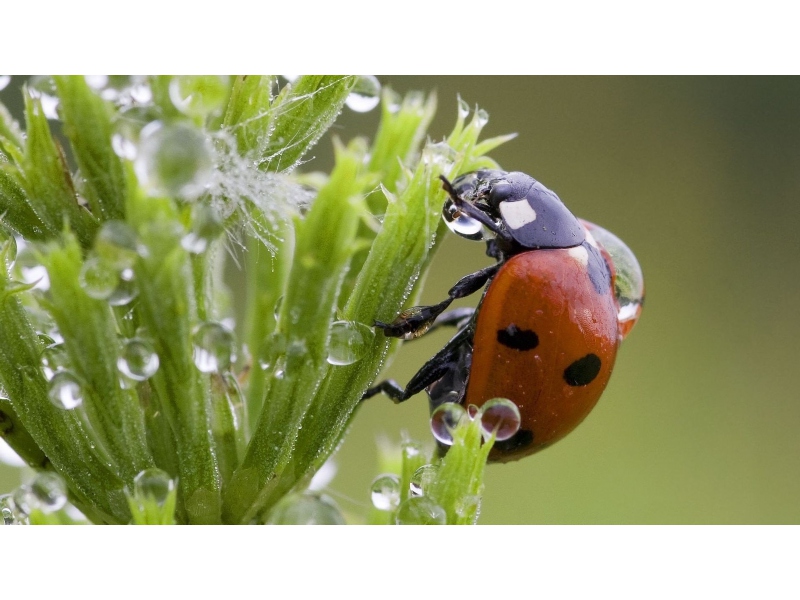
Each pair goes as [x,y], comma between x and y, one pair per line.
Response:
[520,208]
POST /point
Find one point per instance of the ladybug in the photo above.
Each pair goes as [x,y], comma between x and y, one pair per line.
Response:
[557,303]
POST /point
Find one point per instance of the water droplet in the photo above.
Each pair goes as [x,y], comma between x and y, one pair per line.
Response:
[4,81]
[277,312]
[472,411]
[469,507]
[117,245]
[65,391]
[174,159]
[463,108]
[199,95]
[97,278]
[444,421]
[153,484]
[349,342]
[461,224]
[213,347]
[628,282]
[420,511]
[365,95]
[49,491]
[386,492]
[44,88]
[501,417]
[422,479]
[125,291]
[24,500]
[481,117]
[54,358]
[305,509]
[8,511]
[138,359]
[206,227]
[439,155]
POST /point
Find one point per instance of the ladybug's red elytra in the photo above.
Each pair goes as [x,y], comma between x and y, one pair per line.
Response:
[558,302]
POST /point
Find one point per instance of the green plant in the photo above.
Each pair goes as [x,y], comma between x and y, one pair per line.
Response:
[124,368]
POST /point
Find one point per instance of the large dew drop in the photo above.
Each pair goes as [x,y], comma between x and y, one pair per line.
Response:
[420,511]
[500,417]
[65,391]
[349,342]
[444,421]
[175,160]
[629,281]
[8,511]
[366,94]
[138,359]
[213,347]
[305,509]
[98,278]
[153,485]
[385,492]
[461,224]
[206,227]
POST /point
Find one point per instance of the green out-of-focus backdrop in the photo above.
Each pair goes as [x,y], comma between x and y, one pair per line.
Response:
[701,178]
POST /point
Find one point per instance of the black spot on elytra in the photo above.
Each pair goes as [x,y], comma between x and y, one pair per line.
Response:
[583,371]
[518,339]
[521,439]
[599,273]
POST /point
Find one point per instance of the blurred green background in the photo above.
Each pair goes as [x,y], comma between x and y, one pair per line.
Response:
[700,176]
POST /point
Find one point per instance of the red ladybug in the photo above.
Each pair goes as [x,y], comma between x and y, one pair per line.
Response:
[560,299]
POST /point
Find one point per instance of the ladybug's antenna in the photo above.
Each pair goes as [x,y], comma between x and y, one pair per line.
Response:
[448,187]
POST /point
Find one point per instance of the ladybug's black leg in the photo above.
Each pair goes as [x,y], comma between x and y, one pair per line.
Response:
[417,320]
[433,370]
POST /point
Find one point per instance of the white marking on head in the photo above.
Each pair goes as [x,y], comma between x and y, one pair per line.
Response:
[580,254]
[517,214]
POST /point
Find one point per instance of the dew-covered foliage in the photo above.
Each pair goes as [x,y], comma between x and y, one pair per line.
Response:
[139,384]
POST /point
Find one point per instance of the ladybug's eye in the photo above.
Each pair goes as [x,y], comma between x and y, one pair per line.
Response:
[460,223]
[629,281]
[500,191]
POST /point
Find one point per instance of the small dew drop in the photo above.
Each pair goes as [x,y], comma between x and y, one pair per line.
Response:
[420,511]
[385,492]
[138,359]
[174,159]
[213,347]
[98,278]
[49,491]
[422,479]
[305,509]
[153,484]
[444,421]
[349,342]
[463,108]
[65,391]
[501,417]
[366,94]
[8,511]
[461,224]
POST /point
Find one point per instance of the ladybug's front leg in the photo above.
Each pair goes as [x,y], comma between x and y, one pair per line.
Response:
[417,320]
[432,371]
